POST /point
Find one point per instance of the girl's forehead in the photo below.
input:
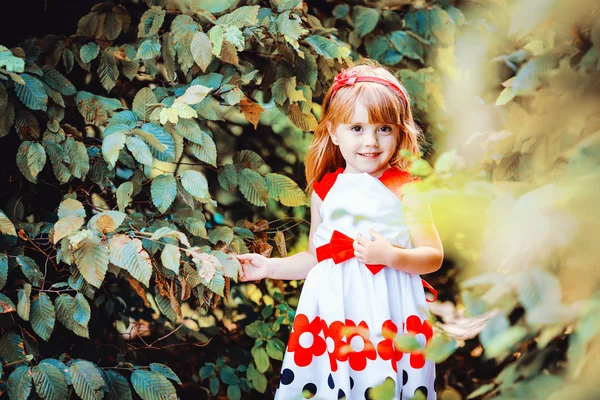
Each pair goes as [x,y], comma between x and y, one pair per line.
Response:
[360,113]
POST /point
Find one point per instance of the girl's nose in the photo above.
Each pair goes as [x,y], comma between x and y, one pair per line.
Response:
[371,140]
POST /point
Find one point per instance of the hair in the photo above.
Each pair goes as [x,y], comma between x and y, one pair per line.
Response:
[384,105]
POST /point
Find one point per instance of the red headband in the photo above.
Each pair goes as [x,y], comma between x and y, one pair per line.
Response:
[349,79]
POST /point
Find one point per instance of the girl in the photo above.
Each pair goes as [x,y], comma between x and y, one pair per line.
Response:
[359,294]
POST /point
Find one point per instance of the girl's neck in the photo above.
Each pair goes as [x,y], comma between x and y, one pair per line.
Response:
[375,174]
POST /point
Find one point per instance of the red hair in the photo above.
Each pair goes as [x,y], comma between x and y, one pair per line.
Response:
[384,105]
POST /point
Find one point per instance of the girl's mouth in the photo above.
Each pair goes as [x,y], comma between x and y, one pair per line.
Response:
[369,155]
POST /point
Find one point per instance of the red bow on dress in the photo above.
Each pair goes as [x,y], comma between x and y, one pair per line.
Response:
[340,248]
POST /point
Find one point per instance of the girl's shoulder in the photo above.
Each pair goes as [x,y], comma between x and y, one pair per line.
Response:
[322,186]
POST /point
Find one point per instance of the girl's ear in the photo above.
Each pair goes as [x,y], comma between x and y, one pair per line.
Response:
[331,133]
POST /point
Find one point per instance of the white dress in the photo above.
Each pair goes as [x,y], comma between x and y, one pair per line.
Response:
[342,339]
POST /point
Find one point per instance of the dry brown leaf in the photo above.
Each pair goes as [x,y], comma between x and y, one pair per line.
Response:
[252,111]
[139,290]
[280,240]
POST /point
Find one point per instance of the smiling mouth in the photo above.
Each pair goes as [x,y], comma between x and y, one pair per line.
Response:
[369,155]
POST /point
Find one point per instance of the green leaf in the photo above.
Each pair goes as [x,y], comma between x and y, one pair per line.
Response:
[407,343]
[24,304]
[193,95]
[483,389]
[407,45]
[171,258]
[3,270]
[284,89]
[61,367]
[66,226]
[234,392]
[83,311]
[149,49]
[113,26]
[30,270]
[165,371]
[442,26]
[228,177]
[139,149]
[206,371]
[87,380]
[57,81]
[201,49]
[275,348]
[364,19]
[11,347]
[20,383]
[217,6]
[89,52]
[91,259]
[440,348]
[323,46]
[49,382]
[70,207]
[207,152]
[6,228]
[231,265]
[189,129]
[228,376]
[340,11]
[108,70]
[261,358]
[32,94]
[291,29]
[79,159]
[137,261]
[240,17]
[223,233]
[165,139]
[106,221]
[111,146]
[285,190]
[124,194]
[10,62]
[151,385]
[195,183]
[151,21]
[31,158]
[253,187]
[65,307]
[144,102]
[505,96]
[164,191]
[42,316]
[118,387]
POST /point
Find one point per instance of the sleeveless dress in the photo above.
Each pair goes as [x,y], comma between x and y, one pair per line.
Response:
[342,339]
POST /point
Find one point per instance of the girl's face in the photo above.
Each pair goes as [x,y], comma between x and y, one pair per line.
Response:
[366,147]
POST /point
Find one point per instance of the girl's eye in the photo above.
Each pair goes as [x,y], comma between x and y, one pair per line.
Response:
[356,128]
[386,128]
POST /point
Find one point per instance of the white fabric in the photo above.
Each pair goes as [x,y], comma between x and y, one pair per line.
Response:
[350,291]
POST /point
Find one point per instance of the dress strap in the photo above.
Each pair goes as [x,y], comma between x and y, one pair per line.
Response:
[394,178]
[323,186]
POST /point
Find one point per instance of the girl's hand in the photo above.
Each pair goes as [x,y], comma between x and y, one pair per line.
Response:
[377,251]
[254,267]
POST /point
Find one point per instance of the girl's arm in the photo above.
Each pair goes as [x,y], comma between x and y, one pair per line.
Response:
[428,252]
[256,266]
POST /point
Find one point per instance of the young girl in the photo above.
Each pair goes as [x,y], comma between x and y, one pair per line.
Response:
[359,294]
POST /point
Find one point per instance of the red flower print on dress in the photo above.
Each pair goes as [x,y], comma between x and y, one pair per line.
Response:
[336,332]
[414,326]
[387,348]
[358,359]
[303,355]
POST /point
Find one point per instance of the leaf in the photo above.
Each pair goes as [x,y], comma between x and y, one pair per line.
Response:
[70,207]
[201,49]
[148,49]
[42,316]
[64,370]
[364,19]
[151,21]
[240,17]
[193,95]
[228,177]
[10,62]
[407,343]
[252,111]
[407,45]
[217,6]
[3,269]
[190,130]
[32,94]
[118,387]
[164,191]
[137,261]
[305,121]
[253,187]
[57,81]
[223,233]
[261,358]
[207,152]
[31,158]
[65,226]
[124,195]
[112,26]
[65,307]
[106,221]
[171,257]
[6,228]
[11,347]
[284,89]
[82,310]
[20,383]
[275,348]
[91,259]
[505,96]
[79,159]
[50,382]
[24,304]
[151,385]
[144,102]
[108,70]
[111,146]
[89,52]
[30,270]
[6,304]
[323,46]
[285,190]
[195,183]
[291,29]
[165,371]
[231,265]
[440,348]
[87,380]
[165,139]
[139,150]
